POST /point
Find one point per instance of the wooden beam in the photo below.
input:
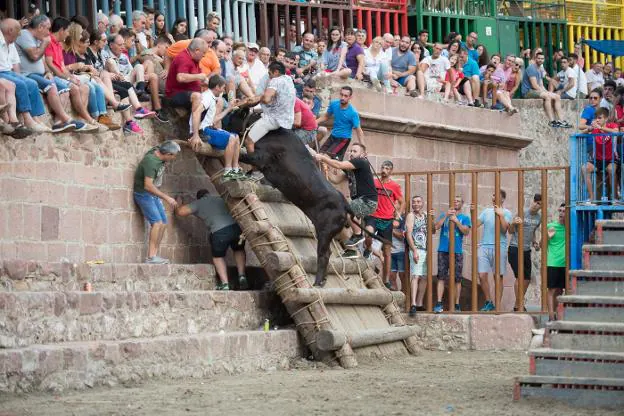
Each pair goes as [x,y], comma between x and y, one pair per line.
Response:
[331,340]
[239,189]
[283,261]
[290,230]
[342,296]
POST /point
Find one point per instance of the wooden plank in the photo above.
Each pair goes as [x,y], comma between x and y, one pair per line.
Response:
[375,297]
[330,340]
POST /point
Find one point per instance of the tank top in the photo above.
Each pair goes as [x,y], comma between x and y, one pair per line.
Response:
[511,81]
[419,232]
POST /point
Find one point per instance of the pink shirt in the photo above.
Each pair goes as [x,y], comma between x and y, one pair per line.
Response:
[308,121]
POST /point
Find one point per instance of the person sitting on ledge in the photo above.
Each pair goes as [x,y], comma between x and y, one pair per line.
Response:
[224,233]
[208,131]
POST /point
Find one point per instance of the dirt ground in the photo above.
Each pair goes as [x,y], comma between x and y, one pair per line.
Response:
[435,383]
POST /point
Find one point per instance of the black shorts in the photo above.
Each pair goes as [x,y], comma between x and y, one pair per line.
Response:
[335,147]
[444,265]
[556,277]
[512,258]
[121,88]
[460,86]
[383,228]
[226,237]
[181,99]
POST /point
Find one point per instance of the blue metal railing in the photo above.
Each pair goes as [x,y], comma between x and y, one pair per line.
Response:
[596,184]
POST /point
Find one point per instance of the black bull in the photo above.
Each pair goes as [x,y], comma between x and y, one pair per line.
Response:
[287,164]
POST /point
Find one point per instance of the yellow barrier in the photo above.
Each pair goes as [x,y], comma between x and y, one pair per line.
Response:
[594,32]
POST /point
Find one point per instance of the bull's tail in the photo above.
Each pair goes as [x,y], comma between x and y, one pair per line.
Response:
[363,227]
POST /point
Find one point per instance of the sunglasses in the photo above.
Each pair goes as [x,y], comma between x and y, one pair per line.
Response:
[594,98]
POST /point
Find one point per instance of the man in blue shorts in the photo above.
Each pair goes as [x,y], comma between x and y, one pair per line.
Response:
[209,133]
[405,68]
[147,178]
[346,119]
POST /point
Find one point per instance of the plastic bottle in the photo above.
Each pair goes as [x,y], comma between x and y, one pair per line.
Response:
[267,325]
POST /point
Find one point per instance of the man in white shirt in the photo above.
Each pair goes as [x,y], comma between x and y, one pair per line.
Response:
[434,67]
[565,84]
[388,41]
[208,131]
[139,20]
[582,91]
[29,101]
[256,68]
[594,76]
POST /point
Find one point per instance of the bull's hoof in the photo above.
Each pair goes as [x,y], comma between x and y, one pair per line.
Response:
[320,283]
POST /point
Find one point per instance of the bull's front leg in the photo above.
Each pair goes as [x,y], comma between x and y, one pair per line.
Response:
[329,227]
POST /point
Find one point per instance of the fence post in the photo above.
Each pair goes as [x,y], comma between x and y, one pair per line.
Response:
[568,228]
[451,246]
[497,228]
[544,265]
[474,301]
[430,230]
[520,235]
[405,283]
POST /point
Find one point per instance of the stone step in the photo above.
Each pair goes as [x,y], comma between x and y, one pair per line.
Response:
[570,363]
[17,275]
[585,336]
[574,391]
[582,308]
[609,231]
[28,318]
[77,365]
[603,256]
[597,282]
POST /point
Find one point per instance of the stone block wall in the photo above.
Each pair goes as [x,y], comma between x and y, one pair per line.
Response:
[69,197]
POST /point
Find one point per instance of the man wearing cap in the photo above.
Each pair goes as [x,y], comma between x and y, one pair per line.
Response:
[255,67]
[389,193]
[147,178]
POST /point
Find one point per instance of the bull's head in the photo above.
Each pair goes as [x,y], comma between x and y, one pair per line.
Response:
[240,119]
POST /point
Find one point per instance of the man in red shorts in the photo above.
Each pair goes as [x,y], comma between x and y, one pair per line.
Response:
[388,193]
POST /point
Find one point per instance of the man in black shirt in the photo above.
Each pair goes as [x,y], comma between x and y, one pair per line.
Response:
[361,185]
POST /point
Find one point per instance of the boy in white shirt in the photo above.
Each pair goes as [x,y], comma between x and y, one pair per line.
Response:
[216,137]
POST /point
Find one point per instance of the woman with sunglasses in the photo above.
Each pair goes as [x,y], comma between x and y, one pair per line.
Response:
[515,78]
[589,112]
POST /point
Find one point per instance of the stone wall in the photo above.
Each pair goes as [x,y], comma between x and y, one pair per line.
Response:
[69,196]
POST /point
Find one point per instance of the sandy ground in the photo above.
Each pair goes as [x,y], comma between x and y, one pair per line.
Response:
[435,383]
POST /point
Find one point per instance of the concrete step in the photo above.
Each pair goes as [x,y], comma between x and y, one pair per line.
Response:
[582,308]
[78,365]
[597,282]
[609,231]
[603,256]
[570,363]
[585,336]
[28,318]
[17,275]
[575,391]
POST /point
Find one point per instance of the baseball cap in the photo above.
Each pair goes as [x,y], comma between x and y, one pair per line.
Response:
[252,45]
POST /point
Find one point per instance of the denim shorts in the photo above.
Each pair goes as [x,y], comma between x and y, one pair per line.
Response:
[151,206]
[397,263]
[62,86]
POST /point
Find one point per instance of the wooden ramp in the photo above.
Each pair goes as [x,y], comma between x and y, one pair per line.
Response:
[353,316]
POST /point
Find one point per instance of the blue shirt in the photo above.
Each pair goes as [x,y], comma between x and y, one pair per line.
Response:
[316,108]
[459,237]
[472,53]
[487,217]
[345,120]
[589,113]
[471,68]
[531,71]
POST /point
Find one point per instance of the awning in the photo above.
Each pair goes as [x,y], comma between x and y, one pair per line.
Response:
[609,47]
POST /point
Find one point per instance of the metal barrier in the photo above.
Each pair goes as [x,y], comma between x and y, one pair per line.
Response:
[596,193]
[449,178]
[577,31]
[379,17]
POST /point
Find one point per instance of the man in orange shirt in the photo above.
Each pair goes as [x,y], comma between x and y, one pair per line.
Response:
[209,63]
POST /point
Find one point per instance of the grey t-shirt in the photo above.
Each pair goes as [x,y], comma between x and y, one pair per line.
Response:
[401,62]
[26,40]
[214,213]
[531,222]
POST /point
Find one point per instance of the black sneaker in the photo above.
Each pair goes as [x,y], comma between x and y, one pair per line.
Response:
[554,124]
[388,285]
[162,117]
[354,240]
[350,254]
[477,103]
[412,311]
[457,307]
[242,283]
[564,124]
[122,107]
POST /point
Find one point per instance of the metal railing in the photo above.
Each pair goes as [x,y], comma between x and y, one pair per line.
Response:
[472,181]
[534,9]
[482,8]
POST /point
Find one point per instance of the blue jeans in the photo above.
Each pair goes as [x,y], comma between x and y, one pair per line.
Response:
[151,207]
[62,86]
[26,93]
[97,102]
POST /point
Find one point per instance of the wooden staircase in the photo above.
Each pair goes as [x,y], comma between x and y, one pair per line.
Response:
[583,359]
[353,315]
